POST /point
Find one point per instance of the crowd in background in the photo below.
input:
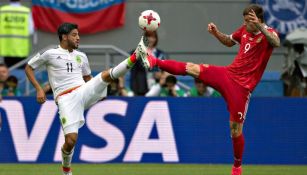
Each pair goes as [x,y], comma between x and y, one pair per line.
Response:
[8,83]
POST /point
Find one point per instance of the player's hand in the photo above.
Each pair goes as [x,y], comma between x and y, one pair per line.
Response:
[253,18]
[174,92]
[212,28]
[163,78]
[41,96]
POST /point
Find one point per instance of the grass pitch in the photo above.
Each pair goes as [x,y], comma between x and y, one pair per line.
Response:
[149,169]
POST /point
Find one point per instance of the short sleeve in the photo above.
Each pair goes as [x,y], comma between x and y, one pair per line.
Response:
[38,60]
[236,35]
[86,70]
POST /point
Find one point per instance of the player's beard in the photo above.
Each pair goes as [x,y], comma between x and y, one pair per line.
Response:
[251,29]
[73,45]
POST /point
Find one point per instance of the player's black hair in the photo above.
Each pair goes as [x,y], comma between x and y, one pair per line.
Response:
[257,9]
[171,79]
[197,80]
[65,29]
[14,0]
[12,79]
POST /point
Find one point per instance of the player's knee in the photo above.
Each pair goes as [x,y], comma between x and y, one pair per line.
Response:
[235,133]
[235,129]
[70,142]
[105,75]
[193,69]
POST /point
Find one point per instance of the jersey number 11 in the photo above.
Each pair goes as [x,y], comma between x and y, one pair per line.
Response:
[69,67]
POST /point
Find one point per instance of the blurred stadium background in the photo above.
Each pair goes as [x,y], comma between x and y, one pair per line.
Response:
[179,140]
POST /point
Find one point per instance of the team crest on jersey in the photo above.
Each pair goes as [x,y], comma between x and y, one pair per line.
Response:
[284,15]
[78,59]
[259,40]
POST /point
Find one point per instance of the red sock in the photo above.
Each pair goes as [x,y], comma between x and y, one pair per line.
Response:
[66,169]
[133,58]
[238,147]
[172,66]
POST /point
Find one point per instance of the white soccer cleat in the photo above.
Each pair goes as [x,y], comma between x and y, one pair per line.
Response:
[67,173]
[141,52]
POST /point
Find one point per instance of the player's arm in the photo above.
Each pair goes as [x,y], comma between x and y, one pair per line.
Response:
[86,70]
[87,78]
[223,38]
[40,94]
[272,37]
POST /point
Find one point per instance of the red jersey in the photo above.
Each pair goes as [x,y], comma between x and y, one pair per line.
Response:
[252,58]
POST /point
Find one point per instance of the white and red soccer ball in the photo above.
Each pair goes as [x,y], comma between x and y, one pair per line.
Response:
[149,20]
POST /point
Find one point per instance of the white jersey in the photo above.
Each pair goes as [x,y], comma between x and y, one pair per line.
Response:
[65,69]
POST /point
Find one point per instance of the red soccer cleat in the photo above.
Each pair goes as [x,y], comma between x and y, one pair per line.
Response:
[236,170]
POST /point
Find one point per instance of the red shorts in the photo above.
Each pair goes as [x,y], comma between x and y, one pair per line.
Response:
[236,96]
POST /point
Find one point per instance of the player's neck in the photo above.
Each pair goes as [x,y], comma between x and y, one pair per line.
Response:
[65,47]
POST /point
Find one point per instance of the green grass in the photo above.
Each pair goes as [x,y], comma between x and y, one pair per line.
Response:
[149,169]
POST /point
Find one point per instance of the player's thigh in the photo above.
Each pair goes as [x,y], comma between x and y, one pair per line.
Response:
[71,109]
[71,130]
[214,76]
[237,99]
[93,91]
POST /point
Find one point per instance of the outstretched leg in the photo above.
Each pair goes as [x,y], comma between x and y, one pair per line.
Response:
[171,66]
[122,68]
[98,85]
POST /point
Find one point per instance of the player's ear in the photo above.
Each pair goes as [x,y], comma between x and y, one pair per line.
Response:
[64,37]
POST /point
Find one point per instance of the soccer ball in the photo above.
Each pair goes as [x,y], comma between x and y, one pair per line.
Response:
[149,20]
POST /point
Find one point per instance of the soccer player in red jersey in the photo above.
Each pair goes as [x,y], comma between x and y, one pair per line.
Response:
[236,81]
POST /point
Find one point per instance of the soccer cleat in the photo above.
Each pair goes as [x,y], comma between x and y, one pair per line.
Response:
[67,171]
[142,53]
[141,50]
[236,170]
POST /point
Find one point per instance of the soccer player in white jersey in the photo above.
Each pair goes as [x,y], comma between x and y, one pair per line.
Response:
[73,86]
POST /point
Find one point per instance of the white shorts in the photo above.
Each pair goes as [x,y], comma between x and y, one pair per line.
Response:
[72,105]
[73,128]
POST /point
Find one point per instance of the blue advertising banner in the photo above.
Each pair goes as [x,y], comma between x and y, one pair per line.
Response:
[156,130]
[284,15]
